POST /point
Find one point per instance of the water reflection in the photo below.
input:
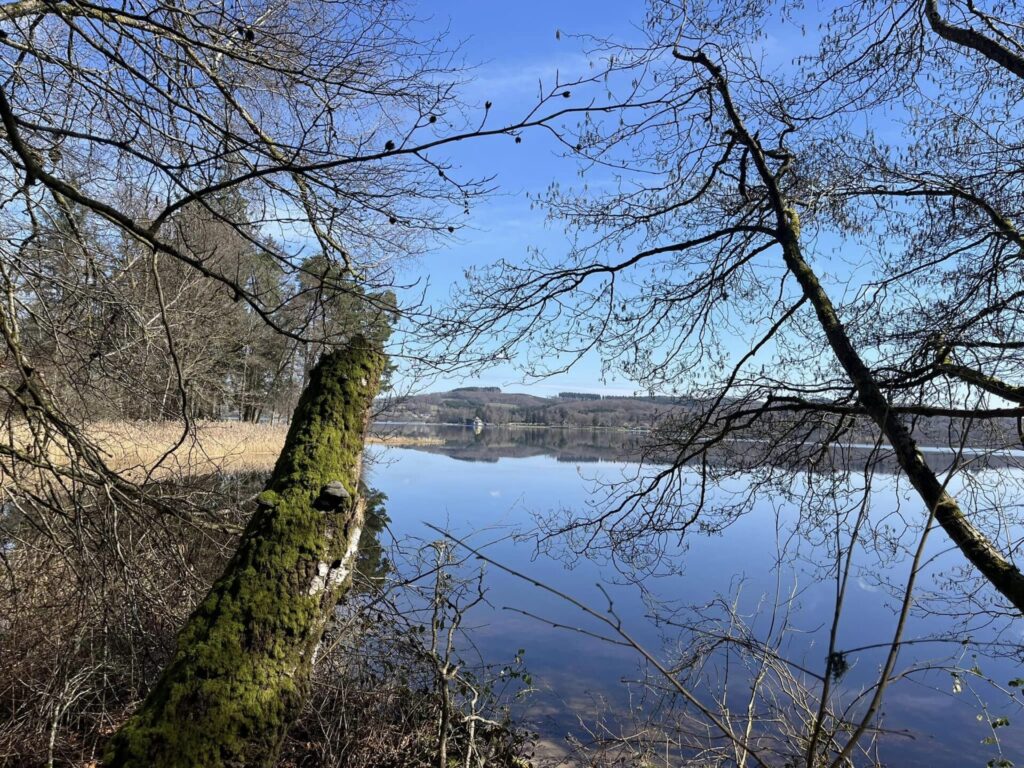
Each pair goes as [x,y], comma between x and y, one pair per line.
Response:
[584,446]
[930,718]
[488,444]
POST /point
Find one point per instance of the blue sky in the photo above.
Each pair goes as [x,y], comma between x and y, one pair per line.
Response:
[511,45]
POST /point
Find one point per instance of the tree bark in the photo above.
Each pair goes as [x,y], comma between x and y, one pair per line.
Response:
[1001,572]
[240,673]
[969,38]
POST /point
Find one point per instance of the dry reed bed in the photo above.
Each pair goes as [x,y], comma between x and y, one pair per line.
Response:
[155,450]
[165,449]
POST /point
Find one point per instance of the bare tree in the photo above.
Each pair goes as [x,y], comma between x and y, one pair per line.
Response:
[281,155]
[240,673]
[196,201]
[819,252]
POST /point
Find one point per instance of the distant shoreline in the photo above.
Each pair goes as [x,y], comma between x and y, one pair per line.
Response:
[969,450]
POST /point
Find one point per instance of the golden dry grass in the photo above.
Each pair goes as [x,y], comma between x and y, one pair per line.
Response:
[226,446]
[160,449]
[397,441]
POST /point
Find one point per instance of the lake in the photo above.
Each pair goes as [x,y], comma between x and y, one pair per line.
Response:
[493,487]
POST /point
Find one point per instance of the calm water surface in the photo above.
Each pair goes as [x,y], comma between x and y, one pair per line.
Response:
[489,486]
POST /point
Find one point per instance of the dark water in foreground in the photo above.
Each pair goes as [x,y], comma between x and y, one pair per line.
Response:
[488,486]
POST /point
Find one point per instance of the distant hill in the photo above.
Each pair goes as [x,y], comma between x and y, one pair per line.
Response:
[583,409]
[569,409]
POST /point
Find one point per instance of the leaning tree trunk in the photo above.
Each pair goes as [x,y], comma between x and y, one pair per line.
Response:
[241,669]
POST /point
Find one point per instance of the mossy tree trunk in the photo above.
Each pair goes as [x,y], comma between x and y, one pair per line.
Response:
[239,675]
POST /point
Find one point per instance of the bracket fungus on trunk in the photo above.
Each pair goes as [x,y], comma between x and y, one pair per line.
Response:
[239,675]
[334,497]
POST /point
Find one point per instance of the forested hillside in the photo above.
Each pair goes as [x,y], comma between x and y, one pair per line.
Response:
[493,406]
[663,414]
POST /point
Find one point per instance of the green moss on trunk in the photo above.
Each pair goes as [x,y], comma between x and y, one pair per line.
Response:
[239,675]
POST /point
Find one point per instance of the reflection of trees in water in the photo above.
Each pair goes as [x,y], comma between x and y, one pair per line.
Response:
[842,526]
[581,446]
[576,445]
[372,563]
